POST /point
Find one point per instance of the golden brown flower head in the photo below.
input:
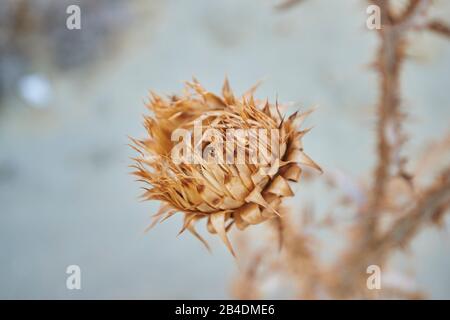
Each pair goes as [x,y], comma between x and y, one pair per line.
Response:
[226,159]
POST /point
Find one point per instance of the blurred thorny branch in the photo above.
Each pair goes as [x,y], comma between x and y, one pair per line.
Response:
[396,193]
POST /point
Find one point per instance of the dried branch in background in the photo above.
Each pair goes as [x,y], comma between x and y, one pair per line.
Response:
[439,28]
[431,205]
[288,4]
[395,193]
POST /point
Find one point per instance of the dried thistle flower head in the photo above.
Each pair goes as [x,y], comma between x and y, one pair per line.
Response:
[225,159]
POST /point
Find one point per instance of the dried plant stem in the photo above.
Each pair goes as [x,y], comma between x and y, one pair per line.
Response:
[439,28]
[389,126]
[288,4]
[433,202]
[302,262]
[390,138]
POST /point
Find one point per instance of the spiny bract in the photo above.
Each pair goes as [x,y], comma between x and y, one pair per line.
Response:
[220,191]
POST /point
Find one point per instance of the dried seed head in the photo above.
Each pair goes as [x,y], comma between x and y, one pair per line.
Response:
[228,160]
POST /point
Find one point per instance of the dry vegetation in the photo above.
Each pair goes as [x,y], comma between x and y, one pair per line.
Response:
[207,185]
[406,194]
